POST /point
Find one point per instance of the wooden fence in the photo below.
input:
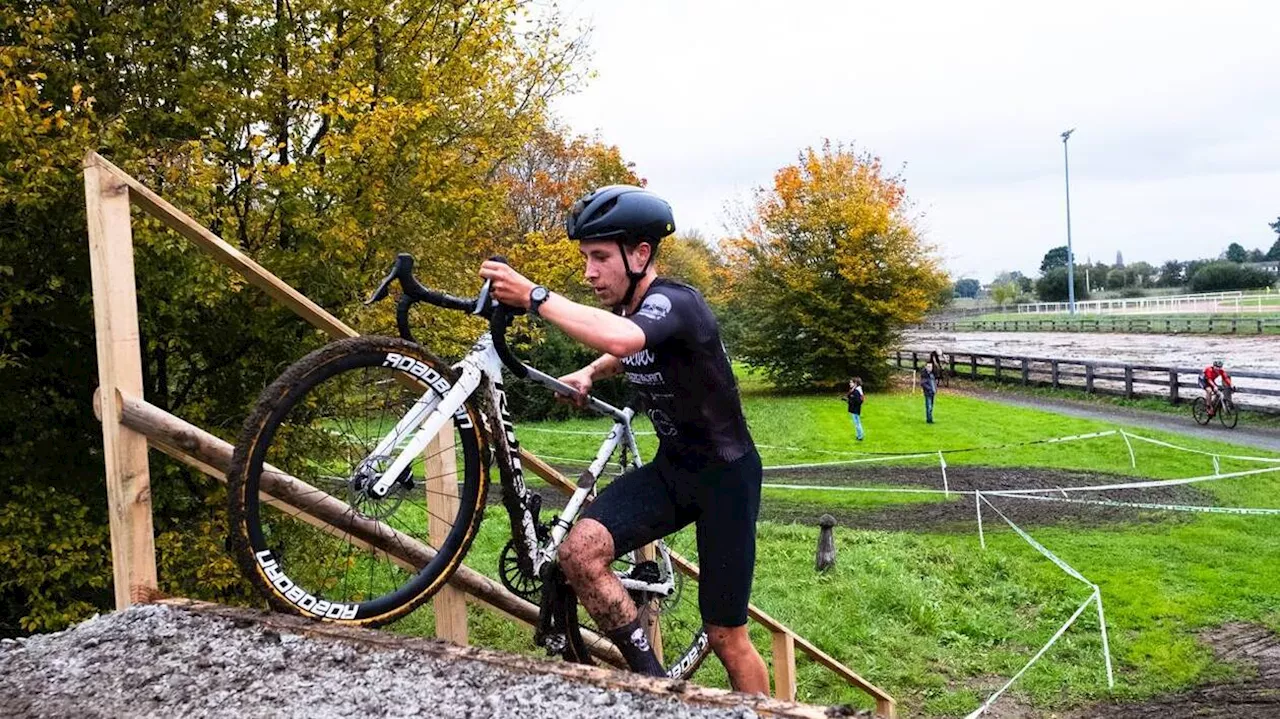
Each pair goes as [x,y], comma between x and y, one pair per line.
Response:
[130,425]
[1140,325]
[1094,376]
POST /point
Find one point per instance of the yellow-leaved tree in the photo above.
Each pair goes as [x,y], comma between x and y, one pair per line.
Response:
[828,269]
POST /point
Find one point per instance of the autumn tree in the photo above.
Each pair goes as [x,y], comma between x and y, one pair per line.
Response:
[320,138]
[829,269]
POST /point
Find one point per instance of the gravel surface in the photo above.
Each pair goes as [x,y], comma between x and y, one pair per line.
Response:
[159,661]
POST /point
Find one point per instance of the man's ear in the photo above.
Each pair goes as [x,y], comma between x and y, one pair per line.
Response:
[639,255]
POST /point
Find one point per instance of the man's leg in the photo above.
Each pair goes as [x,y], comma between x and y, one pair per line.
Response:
[747,671]
[928,408]
[730,501]
[632,511]
[857,425]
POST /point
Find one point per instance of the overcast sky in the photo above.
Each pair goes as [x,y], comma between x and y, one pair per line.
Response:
[1177,114]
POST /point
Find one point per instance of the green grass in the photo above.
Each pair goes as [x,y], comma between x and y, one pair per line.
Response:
[940,623]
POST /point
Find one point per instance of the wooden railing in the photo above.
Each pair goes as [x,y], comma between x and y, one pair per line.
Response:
[130,425]
[1140,325]
[1095,376]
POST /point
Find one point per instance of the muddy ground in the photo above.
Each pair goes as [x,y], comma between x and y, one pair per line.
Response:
[958,513]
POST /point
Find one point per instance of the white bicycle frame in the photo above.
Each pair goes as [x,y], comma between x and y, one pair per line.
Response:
[444,402]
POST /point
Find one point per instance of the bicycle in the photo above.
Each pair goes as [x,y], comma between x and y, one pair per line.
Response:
[312,446]
[1224,408]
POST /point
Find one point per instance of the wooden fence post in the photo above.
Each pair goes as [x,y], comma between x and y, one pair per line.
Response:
[115,319]
[998,368]
[915,361]
[441,470]
[951,358]
[1173,386]
[1088,378]
[973,366]
[1128,382]
[1053,364]
[1026,372]
[784,666]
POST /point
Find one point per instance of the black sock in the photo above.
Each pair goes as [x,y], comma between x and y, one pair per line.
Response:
[634,645]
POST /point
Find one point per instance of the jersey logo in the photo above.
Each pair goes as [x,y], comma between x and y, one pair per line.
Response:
[662,423]
[655,307]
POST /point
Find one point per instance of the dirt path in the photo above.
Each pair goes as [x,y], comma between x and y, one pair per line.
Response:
[1255,649]
[1257,437]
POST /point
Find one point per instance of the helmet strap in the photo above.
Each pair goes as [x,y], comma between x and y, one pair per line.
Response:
[633,277]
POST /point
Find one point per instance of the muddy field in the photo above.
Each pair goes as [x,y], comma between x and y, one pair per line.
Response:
[1257,354]
[1241,353]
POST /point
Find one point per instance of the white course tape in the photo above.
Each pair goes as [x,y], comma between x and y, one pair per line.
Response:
[1133,461]
[943,461]
[768,485]
[1270,460]
[1057,635]
[843,462]
[1040,547]
[1144,505]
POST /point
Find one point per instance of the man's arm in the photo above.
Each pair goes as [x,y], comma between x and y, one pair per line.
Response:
[593,327]
[601,331]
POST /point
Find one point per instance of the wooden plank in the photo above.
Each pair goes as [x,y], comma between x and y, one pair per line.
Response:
[440,468]
[192,445]
[784,666]
[223,252]
[115,319]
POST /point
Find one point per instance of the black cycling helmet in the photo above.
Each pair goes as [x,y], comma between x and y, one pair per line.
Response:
[627,215]
[1217,363]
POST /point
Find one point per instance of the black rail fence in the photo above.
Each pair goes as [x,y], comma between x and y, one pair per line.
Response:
[1165,325]
[1253,390]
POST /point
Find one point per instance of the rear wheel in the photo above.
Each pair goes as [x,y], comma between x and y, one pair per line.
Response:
[1200,411]
[307,531]
[673,622]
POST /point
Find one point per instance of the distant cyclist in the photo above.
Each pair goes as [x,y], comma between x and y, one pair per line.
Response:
[1208,382]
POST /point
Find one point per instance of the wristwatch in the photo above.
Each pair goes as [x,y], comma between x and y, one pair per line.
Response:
[537,296]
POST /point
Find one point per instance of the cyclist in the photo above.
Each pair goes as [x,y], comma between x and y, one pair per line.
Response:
[1207,379]
[662,336]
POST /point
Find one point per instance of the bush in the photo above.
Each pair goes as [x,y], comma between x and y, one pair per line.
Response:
[1132,292]
[1220,276]
[1052,287]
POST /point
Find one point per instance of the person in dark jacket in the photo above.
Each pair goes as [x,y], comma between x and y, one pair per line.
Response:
[854,398]
[929,385]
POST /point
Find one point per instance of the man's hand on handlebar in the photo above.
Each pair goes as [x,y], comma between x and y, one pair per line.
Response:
[581,381]
[506,285]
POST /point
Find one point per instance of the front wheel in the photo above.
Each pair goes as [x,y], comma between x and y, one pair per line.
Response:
[1200,411]
[306,528]
[1228,415]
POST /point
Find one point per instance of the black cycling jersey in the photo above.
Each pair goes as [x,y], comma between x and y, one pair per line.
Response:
[684,380]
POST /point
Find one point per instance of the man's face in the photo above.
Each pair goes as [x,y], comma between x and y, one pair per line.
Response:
[604,270]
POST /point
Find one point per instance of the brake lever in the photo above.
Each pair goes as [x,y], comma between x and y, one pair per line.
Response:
[385,287]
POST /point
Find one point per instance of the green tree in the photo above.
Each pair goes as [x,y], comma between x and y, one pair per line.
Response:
[1222,276]
[1170,274]
[319,140]
[829,269]
[1053,286]
[968,288]
[1236,253]
[1004,293]
[1116,279]
[1053,259]
[1274,252]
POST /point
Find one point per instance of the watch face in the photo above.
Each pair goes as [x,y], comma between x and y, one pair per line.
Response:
[539,294]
